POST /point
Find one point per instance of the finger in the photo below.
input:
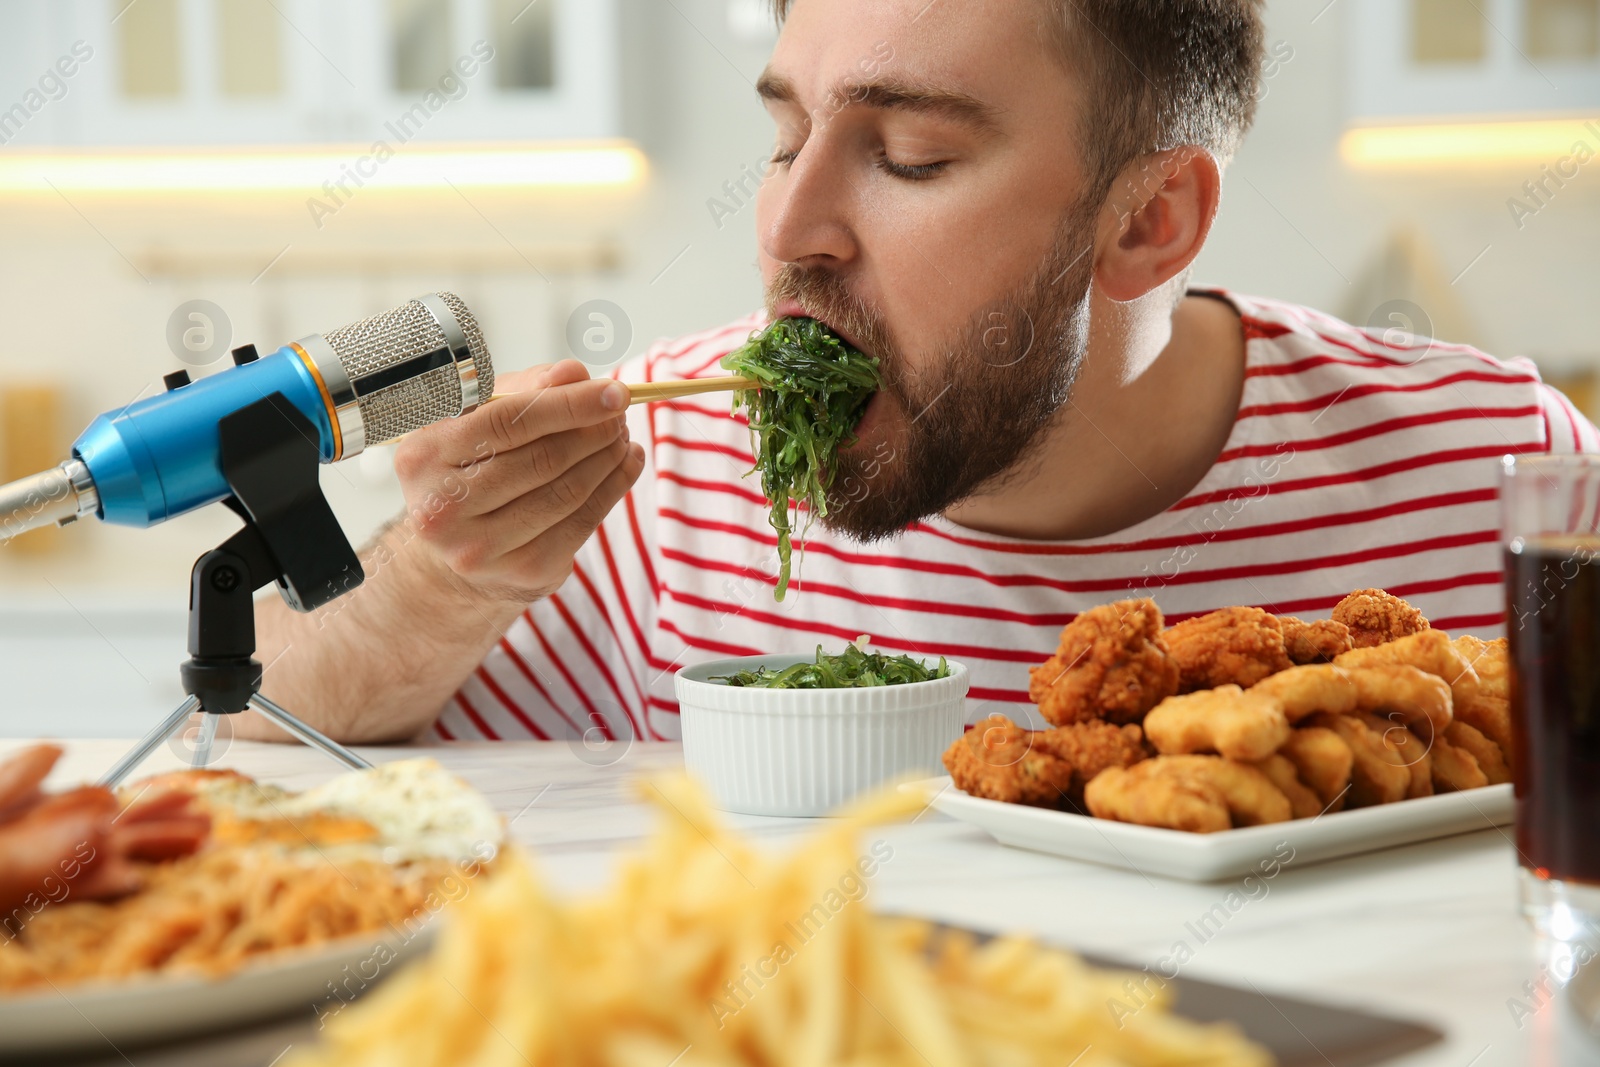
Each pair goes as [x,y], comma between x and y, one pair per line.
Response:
[513,420]
[564,396]
[566,537]
[531,515]
[510,475]
[566,372]
[561,405]
[532,379]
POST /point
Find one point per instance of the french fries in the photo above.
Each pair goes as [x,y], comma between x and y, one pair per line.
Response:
[706,952]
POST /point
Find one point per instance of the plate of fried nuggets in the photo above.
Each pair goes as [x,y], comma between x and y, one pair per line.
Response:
[1240,720]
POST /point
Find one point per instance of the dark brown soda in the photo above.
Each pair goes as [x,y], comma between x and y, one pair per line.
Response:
[1553,627]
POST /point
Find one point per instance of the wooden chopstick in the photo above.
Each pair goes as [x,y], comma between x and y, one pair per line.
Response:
[645,392]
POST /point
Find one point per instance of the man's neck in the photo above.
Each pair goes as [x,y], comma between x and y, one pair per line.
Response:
[1151,411]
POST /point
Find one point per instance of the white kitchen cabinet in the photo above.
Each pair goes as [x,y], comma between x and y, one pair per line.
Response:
[165,73]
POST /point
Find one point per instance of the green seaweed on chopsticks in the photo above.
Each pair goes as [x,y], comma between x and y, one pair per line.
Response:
[812,392]
[855,667]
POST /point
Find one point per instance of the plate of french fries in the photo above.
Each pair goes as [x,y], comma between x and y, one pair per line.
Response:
[706,950]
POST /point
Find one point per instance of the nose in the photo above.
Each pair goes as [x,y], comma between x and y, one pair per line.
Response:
[806,210]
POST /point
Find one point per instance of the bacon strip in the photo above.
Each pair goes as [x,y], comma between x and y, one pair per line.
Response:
[20,777]
[80,844]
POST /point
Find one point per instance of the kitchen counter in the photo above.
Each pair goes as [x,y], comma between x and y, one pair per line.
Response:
[1428,932]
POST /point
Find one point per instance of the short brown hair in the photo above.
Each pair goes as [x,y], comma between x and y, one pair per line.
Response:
[1168,72]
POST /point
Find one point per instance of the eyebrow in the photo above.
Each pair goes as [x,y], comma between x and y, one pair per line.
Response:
[892,94]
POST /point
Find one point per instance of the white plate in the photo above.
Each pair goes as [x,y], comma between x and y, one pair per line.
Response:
[138,1011]
[1231,853]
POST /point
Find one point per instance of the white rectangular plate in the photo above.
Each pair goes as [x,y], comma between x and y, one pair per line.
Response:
[1231,853]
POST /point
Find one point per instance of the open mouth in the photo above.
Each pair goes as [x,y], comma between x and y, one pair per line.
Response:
[872,413]
[789,308]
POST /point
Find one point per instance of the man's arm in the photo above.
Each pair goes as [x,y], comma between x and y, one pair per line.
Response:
[378,663]
[498,503]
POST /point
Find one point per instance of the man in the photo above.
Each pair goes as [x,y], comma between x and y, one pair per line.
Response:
[1000,199]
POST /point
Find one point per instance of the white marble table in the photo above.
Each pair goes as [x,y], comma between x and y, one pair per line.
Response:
[1427,932]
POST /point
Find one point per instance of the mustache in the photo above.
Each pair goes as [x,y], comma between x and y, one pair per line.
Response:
[827,298]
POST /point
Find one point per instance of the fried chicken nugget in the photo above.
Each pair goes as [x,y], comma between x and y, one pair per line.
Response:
[1429,651]
[1091,747]
[1375,617]
[1303,800]
[1324,762]
[1422,699]
[1489,711]
[1302,691]
[1454,767]
[1490,716]
[1230,646]
[1251,797]
[1491,757]
[1318,641]
[1491,660]
[1416,755]
[1225,720]
[999,760]
[1378,774]
[1112,663]
[1135,795]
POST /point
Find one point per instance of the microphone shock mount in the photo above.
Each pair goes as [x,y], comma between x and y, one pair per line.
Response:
[269,457]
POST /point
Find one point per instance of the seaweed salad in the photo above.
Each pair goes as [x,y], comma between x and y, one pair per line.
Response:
[854,667]
[813,388]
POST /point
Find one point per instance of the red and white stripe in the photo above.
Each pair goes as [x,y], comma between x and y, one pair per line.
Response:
[1354,462]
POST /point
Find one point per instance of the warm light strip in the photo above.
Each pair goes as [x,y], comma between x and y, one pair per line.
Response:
[1541,141]
[416,167]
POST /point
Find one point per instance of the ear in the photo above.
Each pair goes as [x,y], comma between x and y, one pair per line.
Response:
[1156,220]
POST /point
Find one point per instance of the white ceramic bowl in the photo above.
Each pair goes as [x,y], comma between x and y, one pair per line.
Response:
[807,751]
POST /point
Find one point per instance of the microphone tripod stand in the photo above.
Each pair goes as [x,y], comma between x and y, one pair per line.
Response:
[269,457]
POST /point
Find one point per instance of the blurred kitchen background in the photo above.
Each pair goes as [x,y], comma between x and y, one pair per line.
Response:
[178,177]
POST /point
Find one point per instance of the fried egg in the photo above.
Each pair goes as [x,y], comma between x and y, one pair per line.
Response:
[405,810]
[419,809]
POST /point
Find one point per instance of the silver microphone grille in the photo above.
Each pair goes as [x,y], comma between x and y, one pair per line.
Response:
[404,369]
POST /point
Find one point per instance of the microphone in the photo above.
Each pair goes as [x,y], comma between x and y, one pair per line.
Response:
[360,385]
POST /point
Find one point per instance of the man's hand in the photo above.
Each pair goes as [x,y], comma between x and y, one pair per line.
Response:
[498,503]
[506,496]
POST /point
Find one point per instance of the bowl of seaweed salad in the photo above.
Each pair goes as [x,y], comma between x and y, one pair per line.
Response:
[812,390]
[803,733]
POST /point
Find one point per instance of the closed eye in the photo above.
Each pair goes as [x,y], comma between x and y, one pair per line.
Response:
[913,172]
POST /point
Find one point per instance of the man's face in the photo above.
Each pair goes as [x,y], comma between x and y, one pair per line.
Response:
[929,206]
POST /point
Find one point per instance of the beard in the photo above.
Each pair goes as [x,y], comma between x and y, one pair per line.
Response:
[970,421]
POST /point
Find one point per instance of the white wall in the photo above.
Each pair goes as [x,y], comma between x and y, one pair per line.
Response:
[1295,223]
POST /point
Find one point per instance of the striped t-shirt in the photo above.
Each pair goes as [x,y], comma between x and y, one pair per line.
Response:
[1353,462]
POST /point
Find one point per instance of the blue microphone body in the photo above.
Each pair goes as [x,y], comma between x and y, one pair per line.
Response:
[158,457]
[363,384]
